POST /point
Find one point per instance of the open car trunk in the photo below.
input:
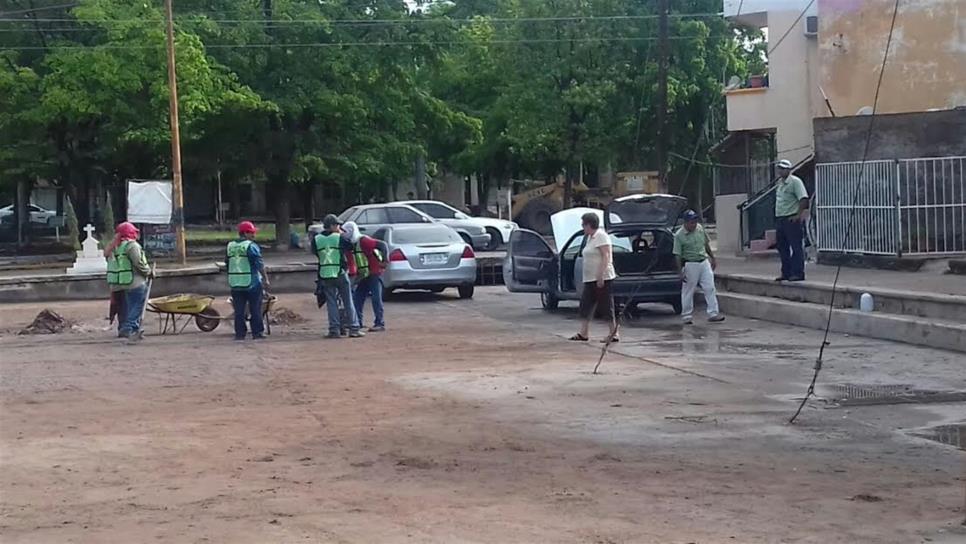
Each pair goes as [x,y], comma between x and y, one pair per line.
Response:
[643,252]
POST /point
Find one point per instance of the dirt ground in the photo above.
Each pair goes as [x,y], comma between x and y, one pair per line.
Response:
[469,421]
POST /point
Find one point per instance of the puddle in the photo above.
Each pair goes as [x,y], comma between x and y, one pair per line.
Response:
[951,435]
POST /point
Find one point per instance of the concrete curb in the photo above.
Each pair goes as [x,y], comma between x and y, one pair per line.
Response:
[908,303]
[898,328]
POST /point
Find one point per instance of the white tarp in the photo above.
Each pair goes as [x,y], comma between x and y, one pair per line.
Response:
[149,202]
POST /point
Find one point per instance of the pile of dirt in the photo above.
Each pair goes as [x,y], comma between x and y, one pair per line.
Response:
[48,322]
[284,316]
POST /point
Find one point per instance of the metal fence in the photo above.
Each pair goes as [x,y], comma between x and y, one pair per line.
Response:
[897,207]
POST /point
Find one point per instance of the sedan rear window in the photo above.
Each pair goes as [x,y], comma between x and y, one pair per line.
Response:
[437,234]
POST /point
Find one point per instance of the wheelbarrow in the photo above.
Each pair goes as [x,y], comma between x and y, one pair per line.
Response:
[176,311]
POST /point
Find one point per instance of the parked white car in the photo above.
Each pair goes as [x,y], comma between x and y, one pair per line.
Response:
[38,215]
[498,229]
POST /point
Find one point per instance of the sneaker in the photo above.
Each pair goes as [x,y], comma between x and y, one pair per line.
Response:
[356,334]
[688,321]
[259,337]
[239,338]
[343,333]
[716,318]
[796,278]
[781,278]
[333,334]
[378,328]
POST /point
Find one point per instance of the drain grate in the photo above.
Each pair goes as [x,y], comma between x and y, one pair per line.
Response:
[951,435]
[851,394]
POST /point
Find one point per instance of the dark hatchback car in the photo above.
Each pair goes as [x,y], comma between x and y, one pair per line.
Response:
[640,227]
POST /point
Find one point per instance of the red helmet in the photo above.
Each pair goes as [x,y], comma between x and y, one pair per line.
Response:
[247,227]
[127,231]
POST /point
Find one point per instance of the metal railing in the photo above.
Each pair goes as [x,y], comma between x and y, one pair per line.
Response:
[901,207]
[757,214]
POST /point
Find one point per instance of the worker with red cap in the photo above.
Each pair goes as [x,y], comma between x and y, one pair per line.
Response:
[246,275]
[127,276]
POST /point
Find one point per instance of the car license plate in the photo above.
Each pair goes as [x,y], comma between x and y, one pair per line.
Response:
[433,258]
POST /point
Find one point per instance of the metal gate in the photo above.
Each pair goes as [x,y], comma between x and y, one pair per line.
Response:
[868,192]
[932,193]
[901,207]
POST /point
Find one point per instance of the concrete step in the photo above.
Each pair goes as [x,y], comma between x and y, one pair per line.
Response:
[904,303]
[934,333]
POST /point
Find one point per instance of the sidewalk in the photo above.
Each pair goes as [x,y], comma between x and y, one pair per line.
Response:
[930,279]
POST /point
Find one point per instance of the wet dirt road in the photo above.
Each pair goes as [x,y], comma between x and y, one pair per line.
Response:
[467,422]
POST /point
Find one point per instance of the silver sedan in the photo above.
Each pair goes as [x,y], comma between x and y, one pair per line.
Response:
[432,257]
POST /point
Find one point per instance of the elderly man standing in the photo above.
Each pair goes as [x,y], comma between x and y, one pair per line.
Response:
[791,214]
[692,247]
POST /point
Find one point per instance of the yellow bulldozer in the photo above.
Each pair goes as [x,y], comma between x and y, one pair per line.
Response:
[532,208]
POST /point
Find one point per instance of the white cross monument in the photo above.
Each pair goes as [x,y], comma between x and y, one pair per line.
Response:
[90,260]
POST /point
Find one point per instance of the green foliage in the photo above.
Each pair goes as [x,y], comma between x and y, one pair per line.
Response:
[351,93]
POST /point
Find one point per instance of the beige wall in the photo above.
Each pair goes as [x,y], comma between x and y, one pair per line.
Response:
[792,98]
[926,67]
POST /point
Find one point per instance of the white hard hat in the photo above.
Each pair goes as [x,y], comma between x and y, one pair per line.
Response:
[785,163]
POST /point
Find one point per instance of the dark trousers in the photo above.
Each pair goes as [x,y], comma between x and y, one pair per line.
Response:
[370,286]
[791,246]
[248,302]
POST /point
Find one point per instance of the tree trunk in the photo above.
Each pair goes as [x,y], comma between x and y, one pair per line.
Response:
[420,181]
[283,213]
[308,203]
[234,198]
[483,194]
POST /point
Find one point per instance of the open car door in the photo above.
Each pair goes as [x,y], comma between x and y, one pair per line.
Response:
[529,263]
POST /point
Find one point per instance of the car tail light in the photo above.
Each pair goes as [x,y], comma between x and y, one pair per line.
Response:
[396,256]
[468,253]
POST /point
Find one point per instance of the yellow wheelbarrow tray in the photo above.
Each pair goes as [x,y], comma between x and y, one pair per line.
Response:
[179,309]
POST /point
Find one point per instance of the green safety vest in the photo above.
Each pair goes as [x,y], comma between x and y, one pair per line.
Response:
[362,262]
[120,269]
[329,253]
[239,267]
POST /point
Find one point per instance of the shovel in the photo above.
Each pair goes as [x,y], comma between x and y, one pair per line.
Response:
[139,335]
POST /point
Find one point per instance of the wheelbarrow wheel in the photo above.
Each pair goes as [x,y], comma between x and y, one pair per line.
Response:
[208,319]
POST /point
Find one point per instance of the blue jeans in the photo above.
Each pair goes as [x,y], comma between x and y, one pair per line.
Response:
[791,247]
[248,302]
[134,300]
[372,285]
[340,290]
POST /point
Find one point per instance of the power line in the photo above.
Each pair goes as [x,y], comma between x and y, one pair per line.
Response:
[721,165]
[791,27]
[368,44]
[193,18]
[848,227]
[43,8]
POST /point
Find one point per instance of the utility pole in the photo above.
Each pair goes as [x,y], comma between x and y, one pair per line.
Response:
[178,212]
[662,68]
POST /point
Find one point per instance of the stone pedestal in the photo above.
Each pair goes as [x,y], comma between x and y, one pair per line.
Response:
[90,260]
